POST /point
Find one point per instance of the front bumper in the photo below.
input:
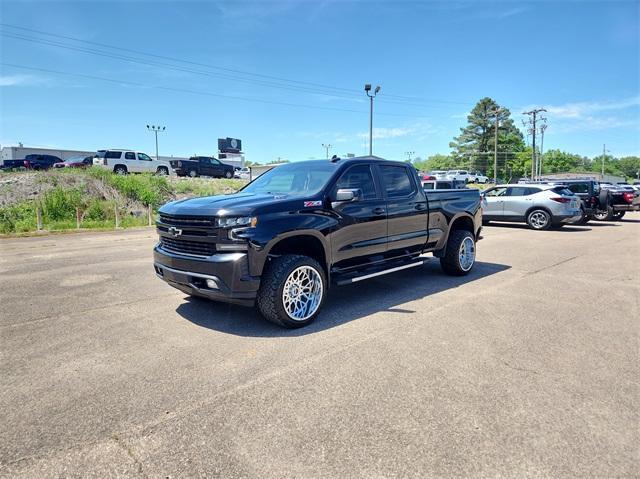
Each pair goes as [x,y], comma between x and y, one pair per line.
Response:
[229,271]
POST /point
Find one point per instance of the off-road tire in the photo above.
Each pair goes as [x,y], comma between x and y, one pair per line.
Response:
[533,225]
[450,262]
[604,215]
[269,298]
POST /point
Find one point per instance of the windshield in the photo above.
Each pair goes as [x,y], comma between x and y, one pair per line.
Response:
[303,178]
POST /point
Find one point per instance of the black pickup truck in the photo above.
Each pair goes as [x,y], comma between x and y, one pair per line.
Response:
[285,237]
[32,162]
[202,166]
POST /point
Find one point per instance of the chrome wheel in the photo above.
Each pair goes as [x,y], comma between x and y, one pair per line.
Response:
[538,220]
[302,293]
[467,254]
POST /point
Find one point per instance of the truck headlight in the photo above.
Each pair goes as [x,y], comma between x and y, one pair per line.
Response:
[236,221]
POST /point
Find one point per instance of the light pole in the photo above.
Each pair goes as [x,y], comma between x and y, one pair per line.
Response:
[327,147]
[604,154]
[367,88]
[495,149]
[156,129]
[409,154]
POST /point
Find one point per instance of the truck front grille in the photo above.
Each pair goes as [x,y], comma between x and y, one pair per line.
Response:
[197,221]
[187,247]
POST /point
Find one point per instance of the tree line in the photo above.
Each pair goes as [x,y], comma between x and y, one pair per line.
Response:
[474,149]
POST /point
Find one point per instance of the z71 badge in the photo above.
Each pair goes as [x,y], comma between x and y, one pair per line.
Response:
[311,204]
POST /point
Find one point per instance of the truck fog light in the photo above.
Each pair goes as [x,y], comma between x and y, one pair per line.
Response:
[211,284]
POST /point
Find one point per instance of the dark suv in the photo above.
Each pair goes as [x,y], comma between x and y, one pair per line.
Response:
[593,198]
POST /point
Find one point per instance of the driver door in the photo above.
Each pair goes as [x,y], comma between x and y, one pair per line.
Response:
[361,237]
[493,202]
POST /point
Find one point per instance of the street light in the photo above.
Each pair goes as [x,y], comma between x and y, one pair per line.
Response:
[367,89]
[327,147]
[409,154]
[156,129]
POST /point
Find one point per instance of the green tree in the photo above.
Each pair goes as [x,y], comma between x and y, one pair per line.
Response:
[436,162]
[630,166]
[611,165]
[476,142]
[556,161]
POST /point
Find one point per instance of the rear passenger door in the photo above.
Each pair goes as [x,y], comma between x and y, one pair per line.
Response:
[518,200]
[131,162]
[406,210]
[362,235]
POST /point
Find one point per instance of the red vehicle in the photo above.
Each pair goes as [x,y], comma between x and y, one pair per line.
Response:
[75,162]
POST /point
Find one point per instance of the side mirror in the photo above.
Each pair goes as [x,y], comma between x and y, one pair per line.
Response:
[347,194]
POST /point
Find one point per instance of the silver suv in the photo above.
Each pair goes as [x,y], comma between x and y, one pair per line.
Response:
[540,206]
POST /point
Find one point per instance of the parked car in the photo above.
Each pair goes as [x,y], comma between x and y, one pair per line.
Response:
[459,175]
[477,177]
[540,206]
[438,174]
[75,162]
[128,161]
[621,198]
[32,162]
[592,198]
[202,166]
[443,185]
[242,173]
[285,237]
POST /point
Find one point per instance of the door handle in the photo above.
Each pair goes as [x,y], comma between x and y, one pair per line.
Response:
[420,206]
[378,211]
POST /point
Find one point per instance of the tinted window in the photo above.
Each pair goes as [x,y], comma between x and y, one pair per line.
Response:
[113,154]
[428,186]
[129,156]
[562,190]
[214,161]
[143,157]
[359,177]
[579,188]
[396,181]
[531,191]
[518,191]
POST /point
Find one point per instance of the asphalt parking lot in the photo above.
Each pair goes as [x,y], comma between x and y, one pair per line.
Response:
[526,368]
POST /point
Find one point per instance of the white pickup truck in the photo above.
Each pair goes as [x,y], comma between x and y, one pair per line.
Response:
[122,162]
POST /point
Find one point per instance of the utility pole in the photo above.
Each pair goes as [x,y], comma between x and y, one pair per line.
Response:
[542,128]
[533,118]
[156,129]
[495,150]
[367,89]
[409,154]
[604,152]
[327,147]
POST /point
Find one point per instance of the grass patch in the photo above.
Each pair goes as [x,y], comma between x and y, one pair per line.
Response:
[204,187]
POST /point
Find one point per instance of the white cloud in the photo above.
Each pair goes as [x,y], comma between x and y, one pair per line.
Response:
[17,80]
[585,109]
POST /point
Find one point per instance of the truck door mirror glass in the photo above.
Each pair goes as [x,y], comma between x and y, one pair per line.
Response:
[347,194]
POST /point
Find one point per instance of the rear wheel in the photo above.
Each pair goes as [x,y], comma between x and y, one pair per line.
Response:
[539,220]
[228,175]
[584,218]
[618,215]
[604,215]
[120,170]
[292,291]
[460,254]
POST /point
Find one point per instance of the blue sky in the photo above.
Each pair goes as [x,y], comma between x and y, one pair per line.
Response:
[287,76]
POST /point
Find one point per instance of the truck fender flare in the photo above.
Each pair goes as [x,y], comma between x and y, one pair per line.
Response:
[445,238]
[303,232]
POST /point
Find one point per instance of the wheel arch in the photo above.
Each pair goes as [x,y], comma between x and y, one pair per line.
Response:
[304,242]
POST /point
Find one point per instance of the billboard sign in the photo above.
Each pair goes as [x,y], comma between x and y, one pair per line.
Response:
[229,145]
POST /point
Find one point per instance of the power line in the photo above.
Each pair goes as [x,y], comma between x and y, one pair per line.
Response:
[296,85]
[198,92]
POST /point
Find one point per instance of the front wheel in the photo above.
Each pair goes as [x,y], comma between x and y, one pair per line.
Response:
[618,215]
[193,173]
[460,254]
[228,175]
[539,220]
[292,291]
[162,171]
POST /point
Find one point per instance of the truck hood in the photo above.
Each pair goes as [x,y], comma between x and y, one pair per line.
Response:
[238,204]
